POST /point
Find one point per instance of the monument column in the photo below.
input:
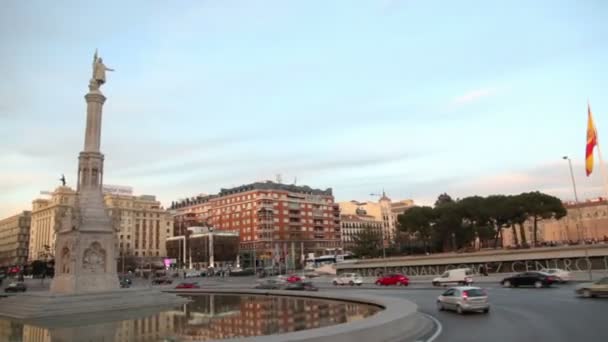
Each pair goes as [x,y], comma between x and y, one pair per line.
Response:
[85,252]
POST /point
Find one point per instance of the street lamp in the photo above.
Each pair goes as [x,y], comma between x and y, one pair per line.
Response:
[580,215]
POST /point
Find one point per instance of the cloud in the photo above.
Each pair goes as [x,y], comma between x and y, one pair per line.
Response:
[551,178]
[473,96]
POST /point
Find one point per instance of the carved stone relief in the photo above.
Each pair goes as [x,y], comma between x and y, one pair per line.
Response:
[94,258]
[65,260]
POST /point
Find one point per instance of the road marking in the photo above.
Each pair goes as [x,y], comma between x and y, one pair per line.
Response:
[437,332]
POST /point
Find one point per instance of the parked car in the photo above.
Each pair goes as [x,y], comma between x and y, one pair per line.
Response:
[301,286]
[536,279]
[563,276]
[463,299]
[188,286]
[15,287]
[162,280]
[393,279]
[348,279]
[293,278]
[271,284]
[193,274]
[595,289]
[458,276]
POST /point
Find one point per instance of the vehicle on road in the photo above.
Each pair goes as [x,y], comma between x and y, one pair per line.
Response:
[162,281]
[193,274]
[124,282]
[594,289]
[458,276]
[293,278]
[536,279]
[351,279]
[236,272]
[271,284]
[464,299]
[16,287]
[188,285]
[301,286]
[561,275]
[393,279]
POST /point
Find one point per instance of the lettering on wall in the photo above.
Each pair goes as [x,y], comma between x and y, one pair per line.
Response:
[568,264]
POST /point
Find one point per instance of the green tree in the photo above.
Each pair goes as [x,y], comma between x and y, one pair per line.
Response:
[497,210]
[368,243]
[442,199]
[540,206]
[418,221]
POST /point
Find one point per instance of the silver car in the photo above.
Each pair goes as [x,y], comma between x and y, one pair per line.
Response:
[463,299]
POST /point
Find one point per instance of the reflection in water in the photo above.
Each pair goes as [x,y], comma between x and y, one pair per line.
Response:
[207,317]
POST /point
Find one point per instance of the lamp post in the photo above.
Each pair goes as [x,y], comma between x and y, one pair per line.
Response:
[580,216]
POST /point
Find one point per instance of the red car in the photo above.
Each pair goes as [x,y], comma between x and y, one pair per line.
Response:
[393,279]
[293,279]
[188,286]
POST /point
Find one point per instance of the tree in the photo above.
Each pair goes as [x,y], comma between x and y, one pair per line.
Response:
[442,199]
[497,210]
[368,243]
[540,206]
[419,221]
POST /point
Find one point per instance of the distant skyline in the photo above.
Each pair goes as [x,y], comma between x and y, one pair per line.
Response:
[416,97]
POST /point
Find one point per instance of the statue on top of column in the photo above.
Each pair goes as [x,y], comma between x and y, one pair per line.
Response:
[99,73]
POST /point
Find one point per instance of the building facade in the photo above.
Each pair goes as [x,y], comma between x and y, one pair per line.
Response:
[587,221]
[14,239]
[204,247]
[353,225]
[144,225]
[45,216]
[276,222]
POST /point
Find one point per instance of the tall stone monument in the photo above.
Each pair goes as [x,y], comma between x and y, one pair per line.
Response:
[85,255]
[85,287]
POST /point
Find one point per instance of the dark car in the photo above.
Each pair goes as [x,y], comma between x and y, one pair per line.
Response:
[161,281]
[15,287]
[271,284]
[125,282]
[536,279]
[301,286]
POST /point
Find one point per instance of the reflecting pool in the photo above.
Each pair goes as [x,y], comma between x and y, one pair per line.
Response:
[206,317]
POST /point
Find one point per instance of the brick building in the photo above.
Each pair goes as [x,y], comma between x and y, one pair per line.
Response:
[275,221]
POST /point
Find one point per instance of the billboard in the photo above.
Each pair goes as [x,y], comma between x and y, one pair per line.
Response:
[117,190]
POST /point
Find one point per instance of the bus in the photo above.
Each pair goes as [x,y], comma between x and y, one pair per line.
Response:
[332,259]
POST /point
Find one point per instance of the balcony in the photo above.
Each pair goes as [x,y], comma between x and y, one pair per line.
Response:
[317,213]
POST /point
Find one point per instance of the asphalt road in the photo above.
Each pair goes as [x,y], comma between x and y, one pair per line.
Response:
[553,314]
[523,314]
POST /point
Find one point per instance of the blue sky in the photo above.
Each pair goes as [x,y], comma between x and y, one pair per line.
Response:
[416,97]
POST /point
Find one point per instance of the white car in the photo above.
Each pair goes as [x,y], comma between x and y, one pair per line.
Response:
[193,274]
[564,276]
[463,299]
[348,279]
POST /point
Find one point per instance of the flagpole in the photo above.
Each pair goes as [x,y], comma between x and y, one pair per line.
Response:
[599,152]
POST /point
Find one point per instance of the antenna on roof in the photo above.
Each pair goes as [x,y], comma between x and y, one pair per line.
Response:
[295,180]
[279,178]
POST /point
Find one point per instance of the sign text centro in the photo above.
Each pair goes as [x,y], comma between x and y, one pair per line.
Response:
[117,190]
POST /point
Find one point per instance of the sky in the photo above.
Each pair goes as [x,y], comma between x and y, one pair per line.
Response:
[416,97]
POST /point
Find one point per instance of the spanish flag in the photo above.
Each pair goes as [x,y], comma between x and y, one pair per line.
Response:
[591,141]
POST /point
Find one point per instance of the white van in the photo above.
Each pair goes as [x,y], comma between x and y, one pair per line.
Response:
[459,276]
